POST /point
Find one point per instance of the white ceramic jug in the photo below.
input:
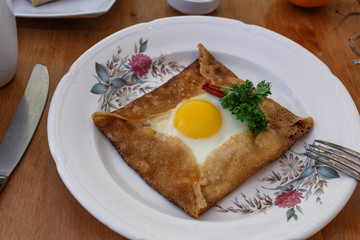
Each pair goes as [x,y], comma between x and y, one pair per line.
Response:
[8,42]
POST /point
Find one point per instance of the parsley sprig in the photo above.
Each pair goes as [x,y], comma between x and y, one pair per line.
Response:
[243,101]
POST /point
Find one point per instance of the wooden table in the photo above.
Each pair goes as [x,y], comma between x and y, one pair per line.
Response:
[35,204]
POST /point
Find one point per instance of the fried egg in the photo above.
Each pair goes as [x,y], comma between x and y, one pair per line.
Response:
[201,122]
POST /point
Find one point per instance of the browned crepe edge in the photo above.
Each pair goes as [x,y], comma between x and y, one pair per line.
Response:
[36,3]
[182,86]
[153,156]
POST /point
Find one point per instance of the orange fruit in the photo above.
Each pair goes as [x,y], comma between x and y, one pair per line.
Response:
[309,3]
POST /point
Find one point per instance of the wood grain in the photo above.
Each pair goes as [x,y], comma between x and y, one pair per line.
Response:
[35,204]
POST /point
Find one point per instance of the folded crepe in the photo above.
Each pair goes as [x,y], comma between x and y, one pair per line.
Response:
[169,166]
[40,2]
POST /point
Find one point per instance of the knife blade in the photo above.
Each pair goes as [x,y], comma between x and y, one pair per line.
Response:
[24,122]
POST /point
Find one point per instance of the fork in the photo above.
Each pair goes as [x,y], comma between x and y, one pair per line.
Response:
[336,156]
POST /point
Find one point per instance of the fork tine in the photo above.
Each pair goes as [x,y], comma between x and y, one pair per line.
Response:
[339,157]
[341,148]
[348,171]
[350,158]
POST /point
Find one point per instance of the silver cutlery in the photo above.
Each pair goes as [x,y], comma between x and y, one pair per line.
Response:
[24,122]
[336,156]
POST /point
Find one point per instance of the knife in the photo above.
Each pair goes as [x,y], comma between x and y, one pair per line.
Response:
[24,122]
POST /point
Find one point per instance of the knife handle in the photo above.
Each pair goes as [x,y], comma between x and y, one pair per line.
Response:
[3,181]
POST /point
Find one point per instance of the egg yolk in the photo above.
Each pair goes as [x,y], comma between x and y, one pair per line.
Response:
[197,119]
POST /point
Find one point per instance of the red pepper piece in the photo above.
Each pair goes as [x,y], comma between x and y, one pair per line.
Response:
[213,89]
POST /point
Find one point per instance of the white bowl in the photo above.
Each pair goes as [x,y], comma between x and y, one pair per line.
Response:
[194,6]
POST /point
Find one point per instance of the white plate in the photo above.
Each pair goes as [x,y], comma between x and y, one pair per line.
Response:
[63,8]
[111,191]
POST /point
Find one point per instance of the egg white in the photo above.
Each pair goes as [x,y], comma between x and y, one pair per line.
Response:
[201,147]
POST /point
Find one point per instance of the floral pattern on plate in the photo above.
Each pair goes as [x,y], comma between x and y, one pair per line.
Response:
[125,78]
[297,181]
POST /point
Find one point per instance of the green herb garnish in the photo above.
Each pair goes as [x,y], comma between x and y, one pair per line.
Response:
[243,101]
